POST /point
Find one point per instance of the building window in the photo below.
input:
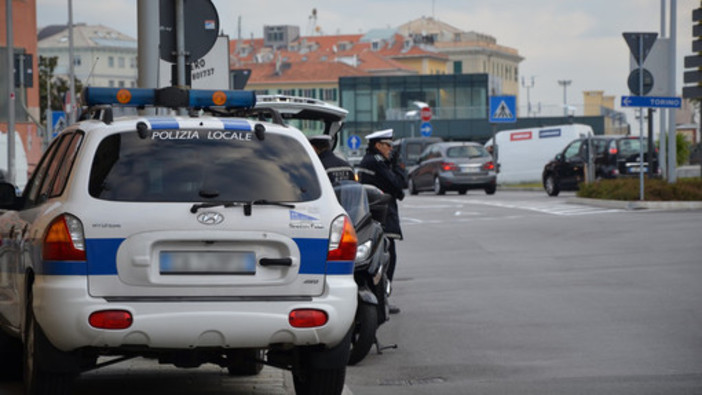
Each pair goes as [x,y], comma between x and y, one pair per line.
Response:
[76,60]
[328,94]
[121,84]
[120,62]
[112,83]
[308,93]
[110,61]
[458,67]
[133,63]
[132,84]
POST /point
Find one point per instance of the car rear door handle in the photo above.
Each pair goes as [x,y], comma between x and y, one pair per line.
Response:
[275,262]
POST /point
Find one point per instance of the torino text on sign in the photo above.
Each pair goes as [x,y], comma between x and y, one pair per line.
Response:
[651,101]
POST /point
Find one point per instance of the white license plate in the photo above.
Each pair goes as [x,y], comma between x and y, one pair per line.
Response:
[637,169]
[207,262]
[470,169]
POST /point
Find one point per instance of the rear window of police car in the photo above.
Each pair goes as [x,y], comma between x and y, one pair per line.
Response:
[186,166]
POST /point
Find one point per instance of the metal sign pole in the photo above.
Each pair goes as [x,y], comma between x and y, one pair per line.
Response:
[10,95]
[641,173]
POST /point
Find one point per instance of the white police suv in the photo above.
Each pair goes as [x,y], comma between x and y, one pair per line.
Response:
[188,239]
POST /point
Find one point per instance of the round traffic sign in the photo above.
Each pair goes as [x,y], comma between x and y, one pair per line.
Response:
[201,29]
[633,82]
[426,114]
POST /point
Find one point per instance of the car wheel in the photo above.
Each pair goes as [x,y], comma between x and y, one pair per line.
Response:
[412,188]
[462,191]
[245,362]
[551,185]
[321,372]
[490,190]
[10,357]
[363,335]
[438,188]
[47,370]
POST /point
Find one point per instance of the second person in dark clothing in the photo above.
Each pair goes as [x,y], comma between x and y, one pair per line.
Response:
[337,168]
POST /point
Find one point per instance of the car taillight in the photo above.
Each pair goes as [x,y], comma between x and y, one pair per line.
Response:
[307,318]
[342,240]
[64,240]
[613,151]
[111,319]
[448,166]
[489,165]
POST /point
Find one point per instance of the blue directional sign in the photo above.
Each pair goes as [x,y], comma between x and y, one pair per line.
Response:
[353,142]
[503,109]
[651,101]
[426,129]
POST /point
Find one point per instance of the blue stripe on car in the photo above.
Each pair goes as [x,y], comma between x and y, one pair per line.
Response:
[163,123]
[236,124]
[102,260]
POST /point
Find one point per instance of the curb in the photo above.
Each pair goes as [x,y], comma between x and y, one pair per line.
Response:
[638,205]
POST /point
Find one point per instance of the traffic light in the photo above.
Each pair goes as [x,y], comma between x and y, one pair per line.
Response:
[694,62]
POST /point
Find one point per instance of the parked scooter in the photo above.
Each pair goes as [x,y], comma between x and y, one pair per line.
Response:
[367,207]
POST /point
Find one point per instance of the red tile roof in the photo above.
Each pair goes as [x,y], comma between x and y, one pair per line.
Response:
[301,72]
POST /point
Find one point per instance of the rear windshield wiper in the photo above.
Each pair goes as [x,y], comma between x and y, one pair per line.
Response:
[247,205]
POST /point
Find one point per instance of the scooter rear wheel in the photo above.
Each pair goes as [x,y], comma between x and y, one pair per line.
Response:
[363,335]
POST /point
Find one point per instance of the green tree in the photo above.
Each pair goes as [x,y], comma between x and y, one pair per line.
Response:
[59,86]
[682,149]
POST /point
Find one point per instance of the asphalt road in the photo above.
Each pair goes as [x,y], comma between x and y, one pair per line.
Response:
[518,293]
[515,293]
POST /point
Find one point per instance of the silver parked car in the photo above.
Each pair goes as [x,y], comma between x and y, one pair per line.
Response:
[455,166]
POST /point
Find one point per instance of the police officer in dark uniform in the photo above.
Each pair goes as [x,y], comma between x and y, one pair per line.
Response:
[378,168]
[337,168]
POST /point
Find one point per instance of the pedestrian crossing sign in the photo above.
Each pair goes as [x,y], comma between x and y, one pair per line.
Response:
[503,109]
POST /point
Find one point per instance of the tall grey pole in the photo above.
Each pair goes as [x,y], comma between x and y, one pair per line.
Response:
[10,66]
[641,115]
[180,42]
[71,67]
[662,136]
[672,149]
[148,51]
[49,117]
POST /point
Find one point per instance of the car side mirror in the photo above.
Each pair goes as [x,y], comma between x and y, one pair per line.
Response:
[559,157]
[8,196]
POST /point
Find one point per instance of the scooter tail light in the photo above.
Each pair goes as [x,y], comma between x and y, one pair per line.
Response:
[342,240]
[64,240]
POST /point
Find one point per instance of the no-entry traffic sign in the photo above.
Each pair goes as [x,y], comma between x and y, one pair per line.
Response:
[426,114]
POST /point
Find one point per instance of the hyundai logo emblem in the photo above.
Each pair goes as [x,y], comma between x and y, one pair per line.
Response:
[210,218]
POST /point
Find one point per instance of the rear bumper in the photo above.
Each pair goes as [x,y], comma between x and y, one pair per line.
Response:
[451,181]
[62,307]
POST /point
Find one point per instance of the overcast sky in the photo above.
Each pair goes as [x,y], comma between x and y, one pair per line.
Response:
[577,40]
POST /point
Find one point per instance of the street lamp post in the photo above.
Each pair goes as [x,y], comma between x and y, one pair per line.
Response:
[564,84]
[528,87]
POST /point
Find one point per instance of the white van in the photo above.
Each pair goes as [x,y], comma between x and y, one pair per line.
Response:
[522,153]
[21,167]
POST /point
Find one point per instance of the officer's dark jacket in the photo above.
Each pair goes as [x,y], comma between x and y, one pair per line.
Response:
[337,168]
[374,169]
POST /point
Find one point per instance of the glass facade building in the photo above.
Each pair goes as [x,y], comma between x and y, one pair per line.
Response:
[459,103]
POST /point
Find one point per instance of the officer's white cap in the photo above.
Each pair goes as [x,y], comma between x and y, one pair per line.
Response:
[319,137]
[380,135]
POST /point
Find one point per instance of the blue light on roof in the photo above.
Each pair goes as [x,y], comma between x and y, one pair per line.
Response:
[167,97]
[222,98]
[132,97]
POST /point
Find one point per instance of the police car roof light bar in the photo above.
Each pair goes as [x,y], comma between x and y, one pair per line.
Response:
[171,97]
